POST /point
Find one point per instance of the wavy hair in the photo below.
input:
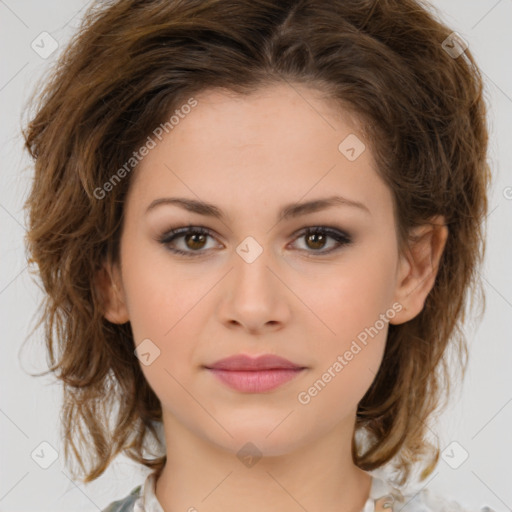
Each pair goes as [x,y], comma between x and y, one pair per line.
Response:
[130,65]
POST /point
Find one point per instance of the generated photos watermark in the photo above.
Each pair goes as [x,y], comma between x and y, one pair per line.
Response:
[342,360]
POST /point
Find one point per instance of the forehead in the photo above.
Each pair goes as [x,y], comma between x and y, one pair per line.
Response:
[281,143]
[293,109]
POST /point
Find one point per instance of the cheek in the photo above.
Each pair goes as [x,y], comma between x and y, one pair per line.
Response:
[346,362]
[336,389]
[355,304]
[353,295]
[156,296]
[162,306]
[163,317]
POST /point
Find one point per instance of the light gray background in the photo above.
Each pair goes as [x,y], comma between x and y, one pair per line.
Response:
[479,417]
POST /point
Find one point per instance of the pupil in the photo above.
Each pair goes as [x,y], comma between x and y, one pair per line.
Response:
[317,237]
[195,236]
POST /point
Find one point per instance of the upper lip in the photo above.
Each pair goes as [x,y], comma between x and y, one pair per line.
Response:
[243,362]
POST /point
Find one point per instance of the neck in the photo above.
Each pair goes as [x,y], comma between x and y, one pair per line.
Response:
[202,475]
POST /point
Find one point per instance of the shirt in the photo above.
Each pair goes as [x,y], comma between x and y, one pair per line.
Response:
[383,497]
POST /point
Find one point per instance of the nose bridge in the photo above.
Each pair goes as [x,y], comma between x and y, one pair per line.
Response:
[252,263]
[253,295]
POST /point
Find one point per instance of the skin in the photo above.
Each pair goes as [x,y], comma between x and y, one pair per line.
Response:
[250,156]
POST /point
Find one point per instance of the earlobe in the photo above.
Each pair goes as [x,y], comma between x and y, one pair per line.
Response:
[418,268]
[109,283]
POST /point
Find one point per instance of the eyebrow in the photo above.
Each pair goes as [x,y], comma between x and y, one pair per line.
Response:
[288,211]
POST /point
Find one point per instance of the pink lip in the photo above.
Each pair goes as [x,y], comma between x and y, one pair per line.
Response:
[254,375]
[243,362]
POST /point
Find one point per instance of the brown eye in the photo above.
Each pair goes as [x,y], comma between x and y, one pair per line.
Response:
[316,239]
[195,240]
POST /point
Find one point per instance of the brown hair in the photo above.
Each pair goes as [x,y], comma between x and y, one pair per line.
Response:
[130,65]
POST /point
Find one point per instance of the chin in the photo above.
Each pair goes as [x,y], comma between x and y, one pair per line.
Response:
[254,439]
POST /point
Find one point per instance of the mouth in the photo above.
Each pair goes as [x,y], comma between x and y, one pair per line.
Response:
[255,375]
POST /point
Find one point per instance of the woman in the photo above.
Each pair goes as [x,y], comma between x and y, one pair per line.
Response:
[258,224]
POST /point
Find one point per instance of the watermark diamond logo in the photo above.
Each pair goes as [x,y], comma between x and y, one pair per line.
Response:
[249,249]
[249,454]
[351,147]
[454,45]
[44,455]
[44,45]
[454,455]
[147,352]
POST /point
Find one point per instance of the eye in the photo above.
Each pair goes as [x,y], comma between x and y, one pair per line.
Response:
[317,237]
[195,239]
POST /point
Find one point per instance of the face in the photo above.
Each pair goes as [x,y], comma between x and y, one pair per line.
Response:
[253,281]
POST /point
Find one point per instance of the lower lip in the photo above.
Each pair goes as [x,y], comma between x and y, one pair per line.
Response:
[255,381]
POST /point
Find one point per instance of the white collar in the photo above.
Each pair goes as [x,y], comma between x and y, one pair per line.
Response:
[381,494]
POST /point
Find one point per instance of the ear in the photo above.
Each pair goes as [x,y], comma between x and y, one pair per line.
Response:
[109,284]
[418,266]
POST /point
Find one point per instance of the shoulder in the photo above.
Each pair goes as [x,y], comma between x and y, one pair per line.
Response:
[125,504]
[387,497]
[426,501]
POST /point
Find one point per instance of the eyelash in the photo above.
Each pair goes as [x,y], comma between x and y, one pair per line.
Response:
[342,239]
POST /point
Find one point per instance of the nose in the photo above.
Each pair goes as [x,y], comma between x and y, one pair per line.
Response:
[254,296]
